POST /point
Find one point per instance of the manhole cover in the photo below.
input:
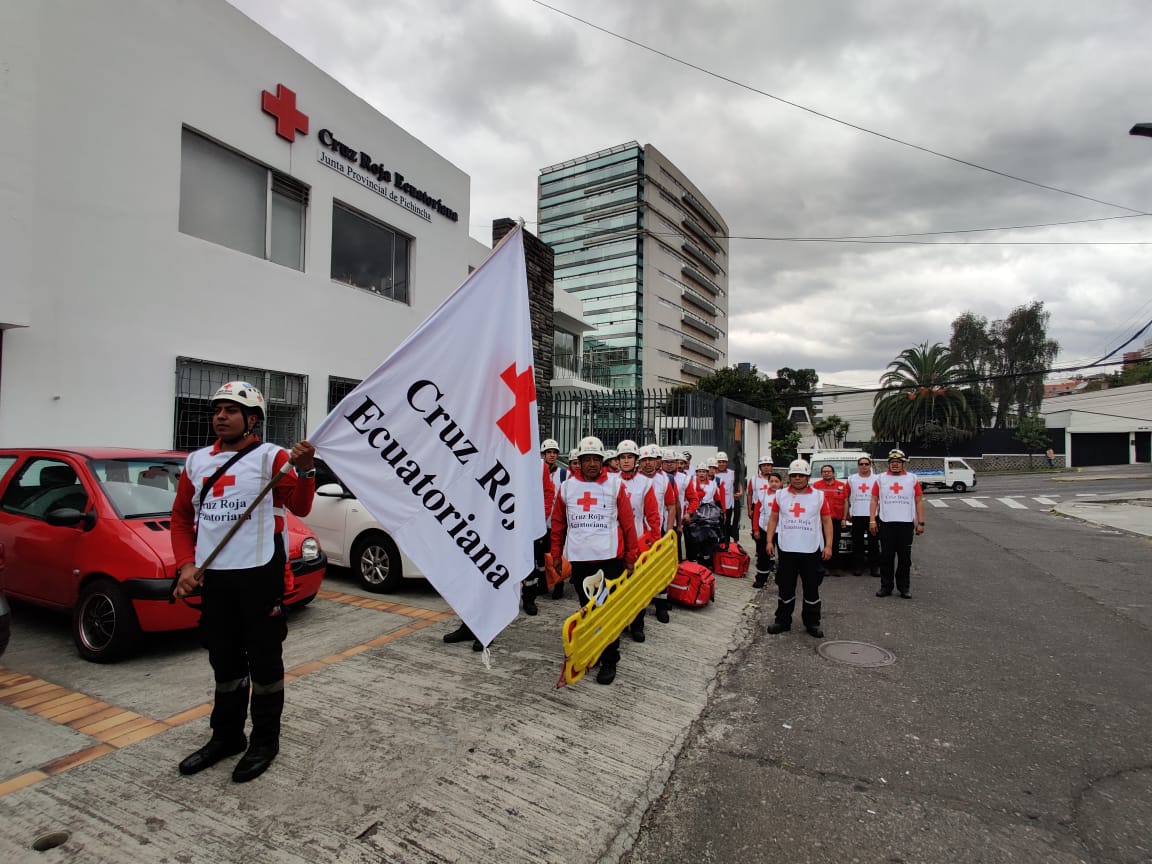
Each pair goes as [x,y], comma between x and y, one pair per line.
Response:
[856,654]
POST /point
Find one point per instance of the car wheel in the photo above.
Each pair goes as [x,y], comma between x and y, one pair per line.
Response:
[104,623]
[959,486]
[376,563]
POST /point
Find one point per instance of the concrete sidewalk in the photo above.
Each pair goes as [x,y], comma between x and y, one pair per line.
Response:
[1130,512]
[414,752]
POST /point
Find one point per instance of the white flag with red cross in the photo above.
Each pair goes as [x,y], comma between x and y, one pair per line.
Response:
[440,444]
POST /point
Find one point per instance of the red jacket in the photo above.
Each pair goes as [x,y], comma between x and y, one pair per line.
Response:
[693,494]
[835,493]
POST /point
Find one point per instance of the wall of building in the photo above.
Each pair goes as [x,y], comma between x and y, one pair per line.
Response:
[676,353]
[114,293]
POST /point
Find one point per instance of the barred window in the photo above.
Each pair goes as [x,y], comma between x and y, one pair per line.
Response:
[338,388]
[285,400]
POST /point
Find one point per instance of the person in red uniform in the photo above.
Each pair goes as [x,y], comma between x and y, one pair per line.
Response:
[801,521]
[642,497]
[836,493]
[593,527]
[243,621]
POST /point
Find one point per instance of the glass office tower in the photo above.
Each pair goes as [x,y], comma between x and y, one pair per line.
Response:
[647,255]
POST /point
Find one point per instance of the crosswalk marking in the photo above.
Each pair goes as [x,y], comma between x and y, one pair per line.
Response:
[972,502]
[1045,501]
[1014,504]
[936,503]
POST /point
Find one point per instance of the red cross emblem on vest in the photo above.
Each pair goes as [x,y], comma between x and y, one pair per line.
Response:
[863,487]
[587,501]
[796,509]
[896,487]
[220,485]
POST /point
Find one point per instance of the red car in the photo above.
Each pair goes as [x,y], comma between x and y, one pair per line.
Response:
[86,529]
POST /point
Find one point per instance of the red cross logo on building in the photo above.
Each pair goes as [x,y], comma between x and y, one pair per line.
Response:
[220,485]
[896,487]
[587,501]
[517,423]
[796,509]
[282,106]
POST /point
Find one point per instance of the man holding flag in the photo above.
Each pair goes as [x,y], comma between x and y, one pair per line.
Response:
[440,444]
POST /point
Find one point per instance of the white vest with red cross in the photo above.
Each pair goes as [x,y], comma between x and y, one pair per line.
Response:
[799,528]
[860,494]
[593,527]
[638,486]
[897,496]
[253,544]
[660,483]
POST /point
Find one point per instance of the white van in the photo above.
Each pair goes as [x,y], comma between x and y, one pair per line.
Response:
[945,472]
[844,461]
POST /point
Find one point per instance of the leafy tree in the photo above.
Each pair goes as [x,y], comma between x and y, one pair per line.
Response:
[1023,353]
[1137,373]
[784,447]
[921,399]
[775,395]
[1032,433]
[831,432]
[973,348]
[794,387]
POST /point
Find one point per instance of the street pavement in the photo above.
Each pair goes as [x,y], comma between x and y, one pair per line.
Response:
[1012,726]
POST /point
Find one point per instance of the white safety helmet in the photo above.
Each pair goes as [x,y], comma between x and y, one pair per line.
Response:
[609,453]
[573,454]
[721,456]
[765,460]
[649,451]
[686,456]
[628,446]
[243,394]
[897,454]
[590,446]
[549,444]
[799,466]
[712,462]
[669,455]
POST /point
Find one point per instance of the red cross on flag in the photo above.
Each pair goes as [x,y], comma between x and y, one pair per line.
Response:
[441,443]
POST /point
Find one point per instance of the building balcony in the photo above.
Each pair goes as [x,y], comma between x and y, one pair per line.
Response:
[706,260]
[698,301]
[697,370]
[701,211]
[699,347]
[700,279]
[701,234]
[698,323]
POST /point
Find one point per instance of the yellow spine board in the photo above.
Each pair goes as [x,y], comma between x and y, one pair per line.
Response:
[593,628]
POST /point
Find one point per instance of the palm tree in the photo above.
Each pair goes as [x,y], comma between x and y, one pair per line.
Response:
[922,399]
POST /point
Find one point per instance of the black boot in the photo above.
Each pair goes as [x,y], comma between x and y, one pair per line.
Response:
[211,753]
[460,634]
[558,590]
[607,673]
[267,708]
[777,627]
[528,596]
[663,604]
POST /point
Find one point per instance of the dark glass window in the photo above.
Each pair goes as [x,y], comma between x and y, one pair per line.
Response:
[368,254]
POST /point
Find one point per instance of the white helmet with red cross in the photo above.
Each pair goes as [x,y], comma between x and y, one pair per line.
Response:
[243,394]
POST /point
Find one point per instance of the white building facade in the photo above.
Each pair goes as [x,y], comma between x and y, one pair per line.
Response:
[188,200]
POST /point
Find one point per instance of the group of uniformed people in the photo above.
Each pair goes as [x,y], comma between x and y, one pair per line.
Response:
[602,510]
[802,522]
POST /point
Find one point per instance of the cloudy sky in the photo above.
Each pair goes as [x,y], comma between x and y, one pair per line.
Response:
[1042,89]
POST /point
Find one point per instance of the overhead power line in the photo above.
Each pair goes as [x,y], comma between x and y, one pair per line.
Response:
[830,117]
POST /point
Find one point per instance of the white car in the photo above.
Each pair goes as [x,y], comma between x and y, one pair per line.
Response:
[352,538]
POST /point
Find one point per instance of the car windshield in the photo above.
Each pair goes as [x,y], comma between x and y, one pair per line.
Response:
[139,487]
[845,468]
